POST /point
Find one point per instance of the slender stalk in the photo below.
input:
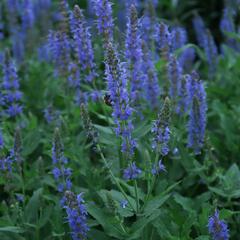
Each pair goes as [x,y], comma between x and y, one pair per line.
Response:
[136,195]
[151,186]
[113,177]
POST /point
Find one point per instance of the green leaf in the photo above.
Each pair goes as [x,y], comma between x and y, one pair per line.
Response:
[188,223]
[109,223]
[131,189]
[31,141]
[186,203]
[11,229]
[45,216]
[204,237]
[32,208]
[154,204]
[118,197]
[138,226]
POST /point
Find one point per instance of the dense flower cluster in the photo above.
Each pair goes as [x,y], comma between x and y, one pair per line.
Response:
[197,115]
[103,11]
[200,30]
[82,43]
[150,79]
[27,15]
[76,215]
[185,96]
[115,73]
[179,39]
[14,157]
[134,55]
[175,77]
[21,20]
[131,172]
[227,26]
[210,51]
[161,130]
[158,168]
[207,42]
[163,39]
[148,21]
[11,95]
[60,49]
[218,228]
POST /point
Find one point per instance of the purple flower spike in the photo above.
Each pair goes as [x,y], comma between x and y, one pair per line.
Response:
[132,172]
[60,172]
[218,228]
[82,43]
[158,168]
[161,130]
[76,215]
[11,94]
[134,55]
[103,11]
[115,73]
[197,114]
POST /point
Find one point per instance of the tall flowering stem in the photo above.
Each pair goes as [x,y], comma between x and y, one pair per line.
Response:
[211,52]
[161,129]
[163,38]
[88,126]
[149,23]
[76,215]
[185,95]
[59,48]
[82,43]
[115,73]
[93,135]
[134,55]
[10,86]
[151,84]
[59,43]
[179,39]
[197,114]
[103,11]
[175,78]
[227,26]
[218,228]
[60,172]
[27,15]
[14,158]
[200,30]
[207,42]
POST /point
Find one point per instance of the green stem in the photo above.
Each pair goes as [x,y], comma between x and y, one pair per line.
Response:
[113,177]
[151,186]
[122,227]
[136,195]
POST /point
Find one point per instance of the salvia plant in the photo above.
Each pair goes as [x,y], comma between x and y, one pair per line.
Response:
[119,120]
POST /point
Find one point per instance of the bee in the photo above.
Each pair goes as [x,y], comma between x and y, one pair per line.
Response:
[107,100]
